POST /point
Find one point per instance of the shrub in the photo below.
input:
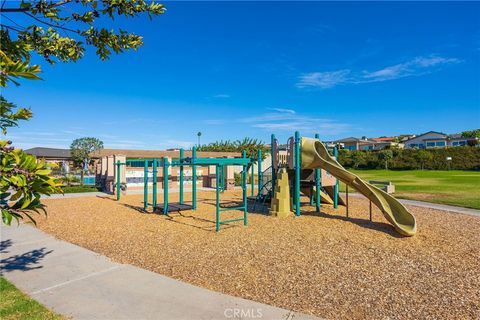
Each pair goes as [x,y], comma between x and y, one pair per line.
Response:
[463,158]
[238,178]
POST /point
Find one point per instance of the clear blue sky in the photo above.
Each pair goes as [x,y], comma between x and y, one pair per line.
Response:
[232,70]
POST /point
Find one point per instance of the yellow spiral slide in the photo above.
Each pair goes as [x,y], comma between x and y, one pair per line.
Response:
[315,155]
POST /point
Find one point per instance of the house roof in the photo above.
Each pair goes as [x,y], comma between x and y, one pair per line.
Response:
[159,153]
[42,152]
[349,139]
[423,134]
[455,136]
[458,136]
[353,139]
[384,139]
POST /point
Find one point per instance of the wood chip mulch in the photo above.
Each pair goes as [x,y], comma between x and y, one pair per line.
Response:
[326,265]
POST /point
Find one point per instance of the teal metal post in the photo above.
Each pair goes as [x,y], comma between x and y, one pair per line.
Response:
[154,191]
[118,180]
[182,155]
[244,187]
[145,185]
[273,153]
[165,185]
[194,178]
[297,173]
[221,173]
[252,181]
[259,169]
[311,196]
[318,183]
[217,200]
[335,189]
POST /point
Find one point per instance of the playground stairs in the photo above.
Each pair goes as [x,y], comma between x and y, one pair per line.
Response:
[281,206]
[264,195]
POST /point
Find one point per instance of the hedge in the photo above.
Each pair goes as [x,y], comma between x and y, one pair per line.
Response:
[463,158]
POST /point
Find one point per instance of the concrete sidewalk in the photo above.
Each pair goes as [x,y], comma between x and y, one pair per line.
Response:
[81,284]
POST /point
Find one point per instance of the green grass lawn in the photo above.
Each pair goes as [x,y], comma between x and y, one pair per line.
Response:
[76,189]
[458,188]
[15,305]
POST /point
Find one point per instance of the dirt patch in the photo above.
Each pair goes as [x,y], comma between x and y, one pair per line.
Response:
[323,264]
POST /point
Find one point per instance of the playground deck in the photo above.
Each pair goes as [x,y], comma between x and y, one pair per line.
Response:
[327,265]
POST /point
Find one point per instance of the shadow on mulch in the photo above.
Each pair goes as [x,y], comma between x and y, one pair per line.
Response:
[364,223]
[175,211]
[195,220]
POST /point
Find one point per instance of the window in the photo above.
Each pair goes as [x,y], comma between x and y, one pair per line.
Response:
[430,144]
[138,163]
[455,143]
[413,145]
[440,144]
[421,146]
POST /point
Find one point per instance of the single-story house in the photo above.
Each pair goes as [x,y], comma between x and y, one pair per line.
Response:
[386,143]
[434,139]
[354,144]
[364,143]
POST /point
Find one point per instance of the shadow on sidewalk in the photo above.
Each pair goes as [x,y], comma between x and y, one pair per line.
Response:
[24,262]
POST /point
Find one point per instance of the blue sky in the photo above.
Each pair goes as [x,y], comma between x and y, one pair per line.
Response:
[240,69]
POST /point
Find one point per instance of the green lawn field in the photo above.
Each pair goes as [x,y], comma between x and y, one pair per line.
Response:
[15,305]
[458,188]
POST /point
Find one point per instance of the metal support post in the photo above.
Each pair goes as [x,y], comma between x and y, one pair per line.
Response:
[297,173]
[145,185]
[182,155]
[318,183]
[165,185]
[194,178]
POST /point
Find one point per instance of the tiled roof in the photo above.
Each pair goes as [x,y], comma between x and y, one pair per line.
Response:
[49,152]
[159,153]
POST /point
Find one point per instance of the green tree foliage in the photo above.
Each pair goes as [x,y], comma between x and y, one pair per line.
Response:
[358,158]
[463,158]
[423,157]
[60,30]
[250,145]
[80,151]
[22,179]
[471,134]
[385,156]
[10,115]
[57,31]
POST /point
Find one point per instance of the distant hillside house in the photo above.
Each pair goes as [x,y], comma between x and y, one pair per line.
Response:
[354,144]
[384,139]
[434,139]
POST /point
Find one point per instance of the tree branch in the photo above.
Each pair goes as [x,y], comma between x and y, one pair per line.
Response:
[2,9]
[50,24]
[13,21]
[14,9]
[10,27]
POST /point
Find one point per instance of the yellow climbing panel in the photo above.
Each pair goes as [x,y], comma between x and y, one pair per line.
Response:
[281,206]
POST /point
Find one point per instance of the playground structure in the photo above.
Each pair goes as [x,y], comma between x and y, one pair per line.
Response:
[220,166]
[306,157]
[308,168]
